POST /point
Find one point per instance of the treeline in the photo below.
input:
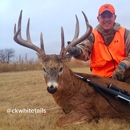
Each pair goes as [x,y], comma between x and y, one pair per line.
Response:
[25,64]
[8,64]
[20,66]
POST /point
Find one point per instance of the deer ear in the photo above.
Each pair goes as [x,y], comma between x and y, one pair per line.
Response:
[67,58]
[38,55]
[40,58]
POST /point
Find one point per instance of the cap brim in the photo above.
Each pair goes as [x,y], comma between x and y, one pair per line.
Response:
[106,10]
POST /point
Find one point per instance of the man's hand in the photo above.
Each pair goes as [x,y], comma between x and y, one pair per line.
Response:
[75,51]
[119,72]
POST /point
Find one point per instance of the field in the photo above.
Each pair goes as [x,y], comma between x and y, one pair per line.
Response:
[27,90]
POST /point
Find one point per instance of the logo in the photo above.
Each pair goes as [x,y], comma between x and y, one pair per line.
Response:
[116,41]
[106,6]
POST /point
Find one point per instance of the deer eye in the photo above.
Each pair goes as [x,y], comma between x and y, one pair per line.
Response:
[60,69]
[44,69]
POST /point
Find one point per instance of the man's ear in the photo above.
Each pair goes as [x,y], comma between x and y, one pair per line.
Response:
[98,18]
[115,16]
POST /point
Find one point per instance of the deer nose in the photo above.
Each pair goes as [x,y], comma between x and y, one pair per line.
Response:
[51,89]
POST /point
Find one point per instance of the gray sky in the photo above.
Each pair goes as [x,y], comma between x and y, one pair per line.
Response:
[47,16]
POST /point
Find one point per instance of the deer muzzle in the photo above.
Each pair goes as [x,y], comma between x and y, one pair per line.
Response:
[51,90]
[52,87]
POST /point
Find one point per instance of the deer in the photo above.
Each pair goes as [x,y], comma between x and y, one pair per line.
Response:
[79,101]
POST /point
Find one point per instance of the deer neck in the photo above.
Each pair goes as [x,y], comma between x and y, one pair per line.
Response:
[66,89]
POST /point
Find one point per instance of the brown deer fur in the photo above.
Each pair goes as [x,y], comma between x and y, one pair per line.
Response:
[78,99]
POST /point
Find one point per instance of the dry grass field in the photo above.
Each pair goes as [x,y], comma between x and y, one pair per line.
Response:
[27,90]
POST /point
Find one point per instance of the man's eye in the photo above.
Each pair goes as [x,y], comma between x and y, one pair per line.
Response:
[108,16]
[102,17]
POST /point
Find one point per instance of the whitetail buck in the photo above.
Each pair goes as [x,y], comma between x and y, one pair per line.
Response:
[78,99]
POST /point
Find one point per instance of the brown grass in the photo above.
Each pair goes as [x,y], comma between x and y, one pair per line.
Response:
[15,67]
[28,90]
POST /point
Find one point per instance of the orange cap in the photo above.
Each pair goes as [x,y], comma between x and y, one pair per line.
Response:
[106,7]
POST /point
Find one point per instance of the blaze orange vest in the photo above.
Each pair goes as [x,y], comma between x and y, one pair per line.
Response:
[104,59]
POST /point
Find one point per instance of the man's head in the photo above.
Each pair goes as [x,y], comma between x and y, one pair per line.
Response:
[106,16]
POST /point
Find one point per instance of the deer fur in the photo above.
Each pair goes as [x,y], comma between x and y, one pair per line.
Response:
[78,99]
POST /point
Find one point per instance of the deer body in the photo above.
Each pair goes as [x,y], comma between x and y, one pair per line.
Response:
[76,98]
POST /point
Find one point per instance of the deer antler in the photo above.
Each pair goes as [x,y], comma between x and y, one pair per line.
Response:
[77,40]
[27,43]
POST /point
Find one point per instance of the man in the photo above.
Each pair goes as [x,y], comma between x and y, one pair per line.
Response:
[108,46]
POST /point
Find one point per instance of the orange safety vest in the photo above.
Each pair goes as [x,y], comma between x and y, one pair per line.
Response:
[104,59]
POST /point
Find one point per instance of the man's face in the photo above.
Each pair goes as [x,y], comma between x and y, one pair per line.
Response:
[106,20]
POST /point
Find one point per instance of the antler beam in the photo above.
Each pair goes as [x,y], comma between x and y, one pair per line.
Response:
[27,43]
[77,40]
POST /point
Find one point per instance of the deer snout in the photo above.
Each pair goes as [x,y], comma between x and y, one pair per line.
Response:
[52,87]
[51,90]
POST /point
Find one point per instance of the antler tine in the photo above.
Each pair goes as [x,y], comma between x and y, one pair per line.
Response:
[82,38]
[19,22]
[85,17]
[18,38]
[27,31]
[62,43]
[42,44]
[76,29]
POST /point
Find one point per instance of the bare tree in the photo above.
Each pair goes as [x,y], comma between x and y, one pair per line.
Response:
[6,55]
[2,56]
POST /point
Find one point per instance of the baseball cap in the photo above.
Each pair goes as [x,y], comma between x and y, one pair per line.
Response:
[106,7]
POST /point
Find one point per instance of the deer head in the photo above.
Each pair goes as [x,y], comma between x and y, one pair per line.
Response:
[52,64]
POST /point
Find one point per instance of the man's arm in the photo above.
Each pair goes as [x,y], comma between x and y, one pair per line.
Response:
[127,45]
[125,63]
[84,49]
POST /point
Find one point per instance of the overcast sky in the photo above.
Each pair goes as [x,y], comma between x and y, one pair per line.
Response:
[47,16]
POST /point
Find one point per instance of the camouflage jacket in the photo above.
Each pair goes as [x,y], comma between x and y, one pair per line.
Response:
[87,45]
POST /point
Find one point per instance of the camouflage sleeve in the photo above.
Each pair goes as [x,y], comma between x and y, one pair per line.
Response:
[86,47]
[127,48]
